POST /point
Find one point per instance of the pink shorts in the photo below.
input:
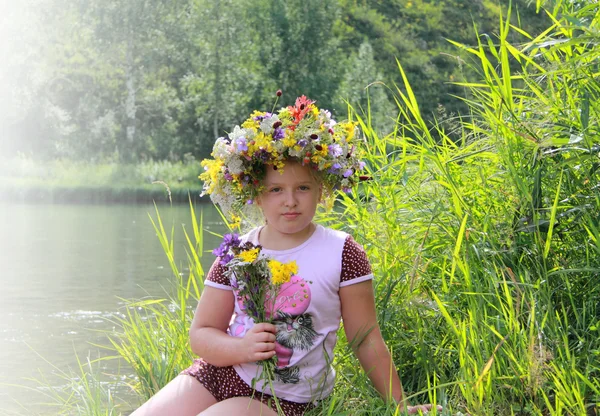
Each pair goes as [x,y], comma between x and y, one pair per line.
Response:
[224,383]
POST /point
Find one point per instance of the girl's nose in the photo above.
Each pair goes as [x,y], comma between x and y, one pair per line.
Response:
[290,199]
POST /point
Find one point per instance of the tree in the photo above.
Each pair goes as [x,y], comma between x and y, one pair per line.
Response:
[416,32]
[28,121]
[362,88]
[301,52]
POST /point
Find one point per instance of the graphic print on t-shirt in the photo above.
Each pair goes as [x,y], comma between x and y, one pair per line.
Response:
[293,333]
[295,329]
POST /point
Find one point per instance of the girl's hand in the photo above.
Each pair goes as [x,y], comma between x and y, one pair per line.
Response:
[422,408]
[259,343]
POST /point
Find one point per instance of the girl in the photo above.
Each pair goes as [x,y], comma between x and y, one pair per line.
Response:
[283,164]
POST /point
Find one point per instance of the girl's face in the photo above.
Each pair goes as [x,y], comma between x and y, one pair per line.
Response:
[290,199]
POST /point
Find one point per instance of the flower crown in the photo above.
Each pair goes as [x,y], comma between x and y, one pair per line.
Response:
[302,132]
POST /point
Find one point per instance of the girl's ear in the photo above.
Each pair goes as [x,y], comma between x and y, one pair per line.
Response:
[321,198]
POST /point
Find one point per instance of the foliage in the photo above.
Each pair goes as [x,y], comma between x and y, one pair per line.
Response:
[372,99]
[488,246]
[153,79]
[84,391]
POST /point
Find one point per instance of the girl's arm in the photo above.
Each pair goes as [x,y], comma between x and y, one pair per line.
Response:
[364,336]
[209,339]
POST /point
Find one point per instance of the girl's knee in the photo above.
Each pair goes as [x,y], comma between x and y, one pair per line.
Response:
[184,396]
[243,406]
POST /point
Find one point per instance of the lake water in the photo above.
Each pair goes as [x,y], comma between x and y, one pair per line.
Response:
[63,269]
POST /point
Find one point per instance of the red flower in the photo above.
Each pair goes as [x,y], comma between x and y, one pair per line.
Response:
[302,107]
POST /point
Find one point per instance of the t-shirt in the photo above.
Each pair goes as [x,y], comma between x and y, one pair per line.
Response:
[309,312]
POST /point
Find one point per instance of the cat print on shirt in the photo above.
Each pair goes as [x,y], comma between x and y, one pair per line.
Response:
[293,333]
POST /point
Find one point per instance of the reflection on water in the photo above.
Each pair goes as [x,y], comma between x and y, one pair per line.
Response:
[63,270]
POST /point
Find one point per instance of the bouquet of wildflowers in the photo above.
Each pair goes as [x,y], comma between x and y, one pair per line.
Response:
[256,280]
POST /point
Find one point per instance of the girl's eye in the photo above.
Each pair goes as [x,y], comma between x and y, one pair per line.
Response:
[304,188]
[275,190]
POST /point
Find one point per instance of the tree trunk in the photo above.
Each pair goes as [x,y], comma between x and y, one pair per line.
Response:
[217,91]
[130,107]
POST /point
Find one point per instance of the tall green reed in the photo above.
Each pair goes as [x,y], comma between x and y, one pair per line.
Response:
[153,336]
[486,246]
[84,391]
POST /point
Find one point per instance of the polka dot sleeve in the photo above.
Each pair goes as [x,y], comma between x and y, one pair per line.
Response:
[355,265]
[216,276]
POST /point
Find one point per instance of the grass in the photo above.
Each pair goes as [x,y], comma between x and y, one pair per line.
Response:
[486,247]
[84,391]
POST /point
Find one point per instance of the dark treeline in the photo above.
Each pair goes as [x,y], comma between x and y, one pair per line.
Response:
[128,80]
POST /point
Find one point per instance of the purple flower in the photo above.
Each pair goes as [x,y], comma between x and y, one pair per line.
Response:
[228,176]
[220,251]
[335,167]
[263,155]
[335,150]
[261,118]
[229,241]
[241,144]
[302,142]
[226,259]
[249,202]
[232,240]
[361,165]
[347,190]
[348,173]
[278,133]
[250,305]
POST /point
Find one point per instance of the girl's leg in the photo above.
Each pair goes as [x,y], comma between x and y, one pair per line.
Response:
[183,396]
[242,406]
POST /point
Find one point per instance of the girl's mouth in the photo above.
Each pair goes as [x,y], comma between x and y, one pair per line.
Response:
[291,215]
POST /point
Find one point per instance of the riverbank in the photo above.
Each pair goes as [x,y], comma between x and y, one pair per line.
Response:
[158,193]
[24,180]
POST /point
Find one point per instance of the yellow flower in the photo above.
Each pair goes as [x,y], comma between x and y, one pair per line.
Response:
[249,256]
[349,128]
[279,164]
[319,155]
[292,268]
[235,221]
[212,173]
[282,273]
[261,141]
[289,140]
[284,114]
[251,123]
